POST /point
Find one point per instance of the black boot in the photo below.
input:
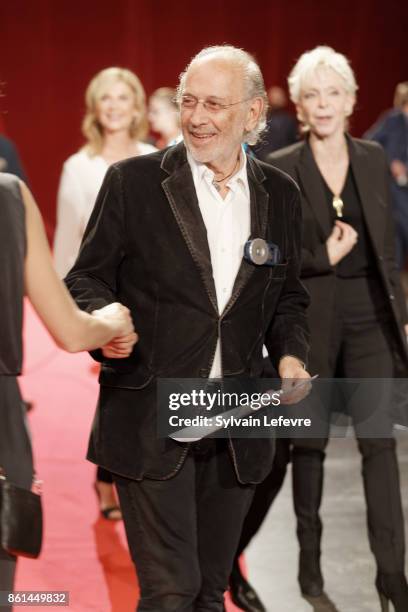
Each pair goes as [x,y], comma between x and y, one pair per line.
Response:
[392,588]
[310,575]
[307,496]
[242,593]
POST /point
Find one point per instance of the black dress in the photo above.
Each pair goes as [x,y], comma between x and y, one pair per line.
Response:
[15,447]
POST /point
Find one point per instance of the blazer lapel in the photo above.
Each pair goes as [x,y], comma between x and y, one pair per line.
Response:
[181,194]
[180,191]
[369,190]
[312,186]
[259,202]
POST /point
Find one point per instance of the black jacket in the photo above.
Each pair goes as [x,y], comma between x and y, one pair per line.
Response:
[146,247]
[371,175]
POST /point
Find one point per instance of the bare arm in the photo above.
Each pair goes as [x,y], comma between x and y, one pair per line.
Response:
[71,328]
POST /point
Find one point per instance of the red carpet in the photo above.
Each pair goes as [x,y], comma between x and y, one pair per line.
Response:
[82,553]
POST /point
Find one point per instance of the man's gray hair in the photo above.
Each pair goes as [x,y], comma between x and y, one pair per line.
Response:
[253,80]
[308,63]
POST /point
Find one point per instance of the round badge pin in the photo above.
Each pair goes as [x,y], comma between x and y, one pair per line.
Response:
[258,251]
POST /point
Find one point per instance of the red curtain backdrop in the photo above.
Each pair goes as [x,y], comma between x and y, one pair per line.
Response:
[49,50]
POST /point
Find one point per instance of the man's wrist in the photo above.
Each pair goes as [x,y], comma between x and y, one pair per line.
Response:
[300,362]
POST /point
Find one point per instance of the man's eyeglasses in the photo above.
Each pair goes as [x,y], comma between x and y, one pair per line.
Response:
[190,102]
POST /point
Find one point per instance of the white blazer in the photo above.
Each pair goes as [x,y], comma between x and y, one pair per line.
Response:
[81,179]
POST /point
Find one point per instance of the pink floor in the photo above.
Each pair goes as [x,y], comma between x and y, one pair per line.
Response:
[82,553]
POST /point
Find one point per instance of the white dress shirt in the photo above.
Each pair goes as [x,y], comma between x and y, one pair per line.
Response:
[81,179]
[228,224]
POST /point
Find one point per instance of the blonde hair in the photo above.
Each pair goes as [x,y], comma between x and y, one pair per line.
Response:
[252,76]
[308,63]
[91,128]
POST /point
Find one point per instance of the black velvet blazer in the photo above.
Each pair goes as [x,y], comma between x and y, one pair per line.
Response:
[146,247]
[370,171]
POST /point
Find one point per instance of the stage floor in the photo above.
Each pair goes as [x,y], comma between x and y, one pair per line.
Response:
[348,565]
[87,555]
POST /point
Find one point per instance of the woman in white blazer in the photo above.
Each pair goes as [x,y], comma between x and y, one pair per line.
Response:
[114,125]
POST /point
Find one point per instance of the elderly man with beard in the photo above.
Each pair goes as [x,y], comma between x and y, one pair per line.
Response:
[166,238]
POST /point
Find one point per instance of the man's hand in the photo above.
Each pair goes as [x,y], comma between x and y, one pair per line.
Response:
[119,316]
[120,347]
[340,242]
[292,372]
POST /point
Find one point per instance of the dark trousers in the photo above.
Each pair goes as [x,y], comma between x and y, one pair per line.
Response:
[265,493]
[7,573]
[183,532]
[16,460]
[359,348]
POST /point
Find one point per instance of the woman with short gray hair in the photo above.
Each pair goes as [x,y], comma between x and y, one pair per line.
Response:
[357,312]
[357,317]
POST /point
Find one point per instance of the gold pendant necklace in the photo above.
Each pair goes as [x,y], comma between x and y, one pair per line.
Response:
[338,205]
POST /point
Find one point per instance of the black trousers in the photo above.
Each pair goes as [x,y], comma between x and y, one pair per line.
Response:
[183,532]
[359,348]
[16,460]
[7,572]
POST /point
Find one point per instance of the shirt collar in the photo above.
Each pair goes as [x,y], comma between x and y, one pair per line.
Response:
[200,173]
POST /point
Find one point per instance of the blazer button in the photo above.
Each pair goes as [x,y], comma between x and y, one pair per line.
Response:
[381,258]
[203,373]
[391,296]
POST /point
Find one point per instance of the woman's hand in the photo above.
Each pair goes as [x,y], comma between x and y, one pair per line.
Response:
[340,242]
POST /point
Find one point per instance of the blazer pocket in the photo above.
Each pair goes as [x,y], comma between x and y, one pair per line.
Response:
[279,271]
[139,378]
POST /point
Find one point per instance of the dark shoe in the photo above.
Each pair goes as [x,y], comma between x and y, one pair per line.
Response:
[392,588]
[322,603]
[111,513]
[243,595]
[28,405]
[310,575]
